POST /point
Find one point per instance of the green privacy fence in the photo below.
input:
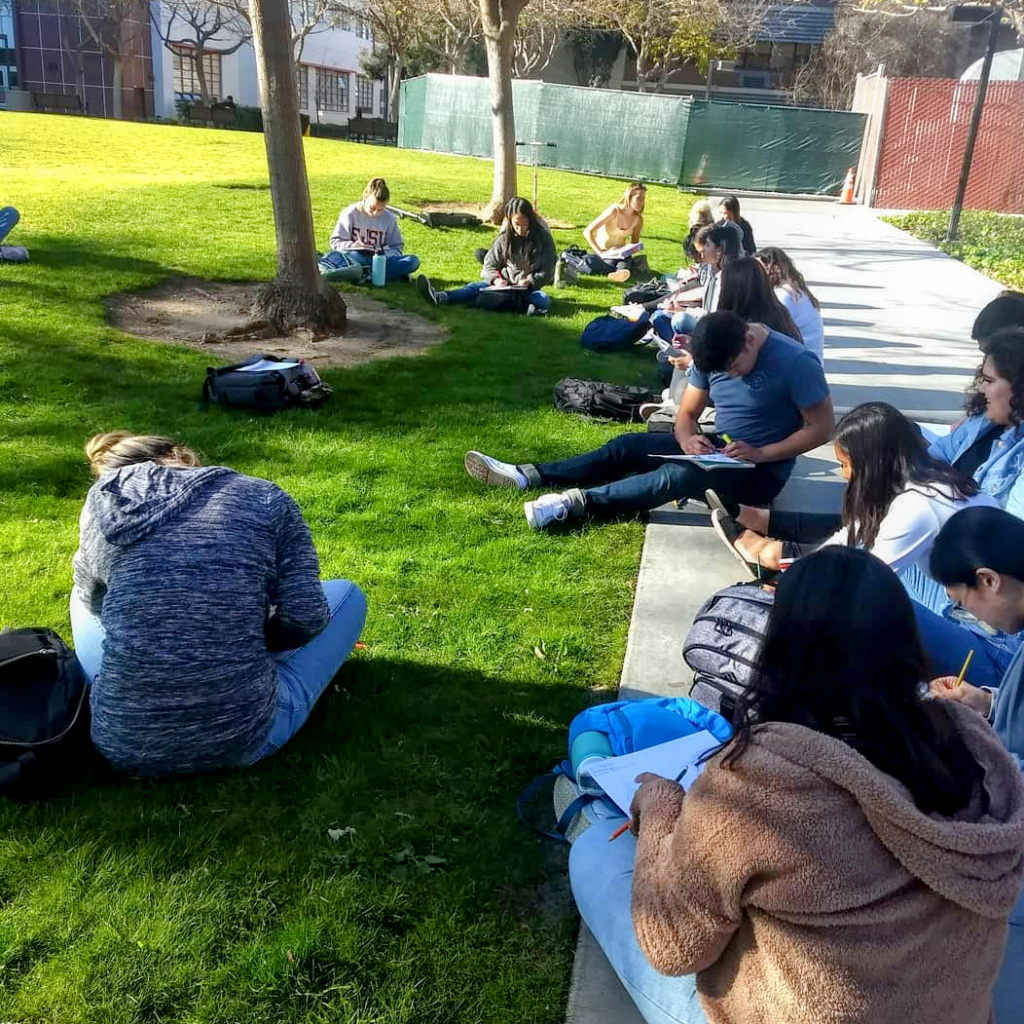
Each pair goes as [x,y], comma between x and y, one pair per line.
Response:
[672,139]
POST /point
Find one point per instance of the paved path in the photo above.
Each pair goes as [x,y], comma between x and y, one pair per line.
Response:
[897,317]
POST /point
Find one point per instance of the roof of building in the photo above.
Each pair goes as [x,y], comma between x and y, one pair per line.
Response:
[797,23]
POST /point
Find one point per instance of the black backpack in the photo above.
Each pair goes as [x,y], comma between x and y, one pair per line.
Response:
[601,399]
[503,300]
[264,383]
[650,291]
[724,642]
[44,715]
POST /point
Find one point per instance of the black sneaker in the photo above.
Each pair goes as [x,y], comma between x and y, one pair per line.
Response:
[426,289]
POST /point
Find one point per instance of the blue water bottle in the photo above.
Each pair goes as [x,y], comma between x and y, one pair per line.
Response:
[379,268]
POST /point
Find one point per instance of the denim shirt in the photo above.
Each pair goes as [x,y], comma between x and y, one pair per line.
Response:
[1007,716]
[1002,473]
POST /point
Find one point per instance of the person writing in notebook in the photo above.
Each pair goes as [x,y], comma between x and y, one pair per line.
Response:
[772,404]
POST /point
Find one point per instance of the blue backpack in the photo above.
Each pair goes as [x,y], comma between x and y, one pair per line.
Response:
[610,730]
[612,333]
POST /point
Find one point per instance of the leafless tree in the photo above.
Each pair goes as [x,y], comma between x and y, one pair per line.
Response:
[186,27]
[455,27]
[540,29]
[1014,9]
[113,33]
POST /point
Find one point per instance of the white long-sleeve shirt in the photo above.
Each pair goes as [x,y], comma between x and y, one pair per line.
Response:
[807,319]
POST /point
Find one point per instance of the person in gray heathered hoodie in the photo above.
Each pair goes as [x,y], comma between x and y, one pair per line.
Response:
[187,578]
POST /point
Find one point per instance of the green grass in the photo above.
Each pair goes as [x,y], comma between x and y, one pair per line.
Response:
[223,898]
[990,242]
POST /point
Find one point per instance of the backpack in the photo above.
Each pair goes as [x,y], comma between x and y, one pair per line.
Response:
[724,642]
[650,291]
[340,266]
[575,257]
[612,333]
[264,383]
[602,400]
[503,300]
[616,728]
[44,714]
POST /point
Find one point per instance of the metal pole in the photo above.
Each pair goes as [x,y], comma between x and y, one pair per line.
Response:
[711,71]
[972,133]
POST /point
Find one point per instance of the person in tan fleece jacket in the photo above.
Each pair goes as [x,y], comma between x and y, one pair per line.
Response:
[852,855]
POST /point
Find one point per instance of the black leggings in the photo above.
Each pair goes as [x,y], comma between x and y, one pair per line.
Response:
[802,532]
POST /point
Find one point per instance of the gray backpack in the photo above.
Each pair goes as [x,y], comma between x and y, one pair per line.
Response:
[724,642]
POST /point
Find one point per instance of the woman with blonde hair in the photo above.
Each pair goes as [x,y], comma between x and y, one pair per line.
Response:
[368,226]
[619,225]
[700,217]
[197,611]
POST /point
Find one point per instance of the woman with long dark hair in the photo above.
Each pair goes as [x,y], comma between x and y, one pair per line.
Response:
[852,835]
[521,257]
[792,291]
[896,500]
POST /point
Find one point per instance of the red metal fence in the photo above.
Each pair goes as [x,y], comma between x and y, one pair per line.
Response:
[925,132]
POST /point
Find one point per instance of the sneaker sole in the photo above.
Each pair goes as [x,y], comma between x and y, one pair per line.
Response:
[750,569]
[528,512]
[619,276]
[478,469]
[714,501]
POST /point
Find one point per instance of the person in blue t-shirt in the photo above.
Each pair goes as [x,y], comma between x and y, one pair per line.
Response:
[772,404]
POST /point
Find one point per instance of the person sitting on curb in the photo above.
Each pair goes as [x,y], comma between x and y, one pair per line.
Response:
[620,224]
[369,226]
[729,213]
[852,854]
[197,611]
[979,557]
[522,257]
[1005,310]
[792,291]
[700,217]
[772,404]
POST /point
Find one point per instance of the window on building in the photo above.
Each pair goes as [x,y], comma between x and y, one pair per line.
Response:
[345,21]
[331,89]
[186,81]
[303,87]
[364,93]
[363,30]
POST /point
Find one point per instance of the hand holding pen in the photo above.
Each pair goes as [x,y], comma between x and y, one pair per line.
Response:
[643,778]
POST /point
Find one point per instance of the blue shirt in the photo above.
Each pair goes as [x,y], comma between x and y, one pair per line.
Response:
[1007,715]
[764,407]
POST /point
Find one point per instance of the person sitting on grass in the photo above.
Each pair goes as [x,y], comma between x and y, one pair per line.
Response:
[522,256]
[368,226]
[896,500]
[9,217]
[772,404]
[852,854]
[620,224]
[729,213]
[700,217]
[978,557]
[197,611]
[792,291]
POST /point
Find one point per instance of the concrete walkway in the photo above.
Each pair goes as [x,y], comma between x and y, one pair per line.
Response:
[897,318]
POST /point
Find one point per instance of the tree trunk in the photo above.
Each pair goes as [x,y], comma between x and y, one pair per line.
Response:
[118,82]
[298,296]
[394,89]
[499,68]
[204,90]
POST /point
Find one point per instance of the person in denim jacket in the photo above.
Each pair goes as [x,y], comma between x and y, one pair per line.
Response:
[989,446]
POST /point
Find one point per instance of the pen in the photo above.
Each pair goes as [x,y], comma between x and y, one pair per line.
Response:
[963,671]
[622,828]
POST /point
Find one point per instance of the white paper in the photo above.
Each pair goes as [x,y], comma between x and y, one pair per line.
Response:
[713,460]
[617,775]
[269,364]
[933,431]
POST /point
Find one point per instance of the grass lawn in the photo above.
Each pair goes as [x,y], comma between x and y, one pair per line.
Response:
[224,898]
[990,242]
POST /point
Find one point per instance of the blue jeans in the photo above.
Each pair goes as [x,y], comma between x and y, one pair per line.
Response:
[601,875]
[396,266]
[466,295]
[946,642]
[666,324]
[640,482]
[594,264]
[1008,997]
[302,674]
[8,218]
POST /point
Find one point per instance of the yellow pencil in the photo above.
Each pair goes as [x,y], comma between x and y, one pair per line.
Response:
[963,671]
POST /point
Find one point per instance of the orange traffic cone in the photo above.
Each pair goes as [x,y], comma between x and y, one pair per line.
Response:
[846,196]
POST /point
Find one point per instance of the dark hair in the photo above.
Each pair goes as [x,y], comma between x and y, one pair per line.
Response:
[1006,350]
[745,289]
[771,256]
[1005,310]
[841,656]
[717,340]
[726,238]
[732,204]
[518,205]
[887,453]
[977,538]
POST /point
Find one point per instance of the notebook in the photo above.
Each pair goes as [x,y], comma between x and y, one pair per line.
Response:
[713,460]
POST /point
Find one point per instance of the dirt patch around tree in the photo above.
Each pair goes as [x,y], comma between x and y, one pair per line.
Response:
[215,316]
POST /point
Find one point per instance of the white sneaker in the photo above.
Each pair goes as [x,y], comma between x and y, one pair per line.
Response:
[547,509]
[498,474]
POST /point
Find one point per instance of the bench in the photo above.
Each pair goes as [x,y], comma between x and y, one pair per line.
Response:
[198,113]
[58,102]
[363,129]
